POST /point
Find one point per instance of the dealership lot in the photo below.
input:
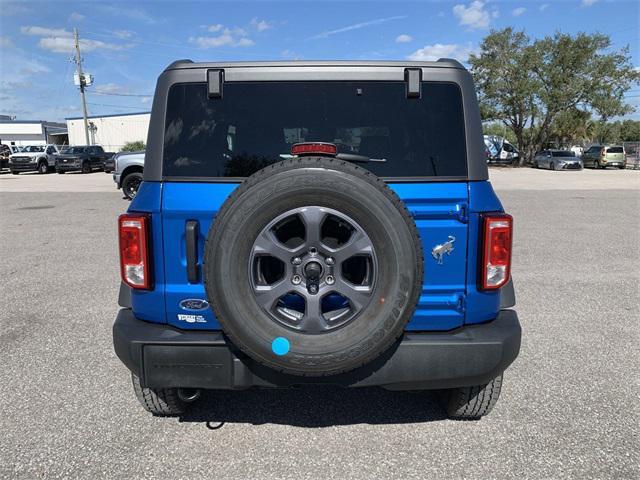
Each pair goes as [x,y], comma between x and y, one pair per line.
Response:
[569,406]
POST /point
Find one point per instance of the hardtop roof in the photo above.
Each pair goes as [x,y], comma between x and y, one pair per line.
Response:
[441,63]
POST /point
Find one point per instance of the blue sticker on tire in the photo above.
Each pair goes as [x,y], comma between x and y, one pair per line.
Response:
[280,346]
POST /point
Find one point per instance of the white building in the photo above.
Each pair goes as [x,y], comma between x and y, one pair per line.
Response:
[32,132]
[110,131]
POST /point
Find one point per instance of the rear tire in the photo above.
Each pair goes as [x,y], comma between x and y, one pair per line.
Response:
[552,165]
[162,402]
[471,403]
[15,173]
[60,172]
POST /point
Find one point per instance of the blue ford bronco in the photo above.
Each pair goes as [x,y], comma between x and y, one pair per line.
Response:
[316,223]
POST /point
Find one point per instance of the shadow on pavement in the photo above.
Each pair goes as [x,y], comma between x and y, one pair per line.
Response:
[314,407]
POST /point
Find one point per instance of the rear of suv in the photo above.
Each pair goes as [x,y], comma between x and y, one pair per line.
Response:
[316,223]
[603,156]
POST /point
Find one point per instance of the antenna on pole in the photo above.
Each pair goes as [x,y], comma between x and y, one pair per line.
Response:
[82,82]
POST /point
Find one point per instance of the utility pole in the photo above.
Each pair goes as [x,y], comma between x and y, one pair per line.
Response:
[82,84]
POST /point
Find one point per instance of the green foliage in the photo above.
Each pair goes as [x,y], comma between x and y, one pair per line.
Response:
[133,146]
[499,129]
[546,89]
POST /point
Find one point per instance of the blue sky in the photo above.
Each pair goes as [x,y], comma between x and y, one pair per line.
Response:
[126,45]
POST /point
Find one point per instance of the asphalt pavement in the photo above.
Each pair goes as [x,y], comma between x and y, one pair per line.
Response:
[569,407]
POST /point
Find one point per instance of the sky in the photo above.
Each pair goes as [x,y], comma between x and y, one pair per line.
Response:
[126,45]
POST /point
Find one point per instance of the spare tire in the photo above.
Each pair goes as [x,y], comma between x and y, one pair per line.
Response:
[313,266]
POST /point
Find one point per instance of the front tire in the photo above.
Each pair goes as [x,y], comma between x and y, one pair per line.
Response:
[131,184]
[471,403]
[86,167]
[43,168]
[163,402]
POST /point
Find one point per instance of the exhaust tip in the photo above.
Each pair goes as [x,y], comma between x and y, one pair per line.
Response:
[189,395]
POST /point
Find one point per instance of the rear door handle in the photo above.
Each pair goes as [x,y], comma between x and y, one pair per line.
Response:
[191,237]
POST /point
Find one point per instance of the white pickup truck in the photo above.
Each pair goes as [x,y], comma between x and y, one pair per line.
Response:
[34,158]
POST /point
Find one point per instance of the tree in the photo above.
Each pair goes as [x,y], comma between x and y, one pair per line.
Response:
[133,146]
[527,86]
[500,130]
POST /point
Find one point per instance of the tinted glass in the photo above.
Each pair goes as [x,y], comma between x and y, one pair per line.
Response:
[614,150]
[563,154]
[74,150]
[255,124]
[34,148]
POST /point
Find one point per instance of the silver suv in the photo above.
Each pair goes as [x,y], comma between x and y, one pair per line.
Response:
[128,172]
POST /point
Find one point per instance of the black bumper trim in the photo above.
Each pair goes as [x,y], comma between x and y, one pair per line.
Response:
[163,356]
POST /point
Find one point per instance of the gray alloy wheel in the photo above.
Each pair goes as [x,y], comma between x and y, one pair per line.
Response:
[43,167]
[312,269]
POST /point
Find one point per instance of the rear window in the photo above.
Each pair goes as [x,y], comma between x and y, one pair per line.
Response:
[255,124]
[614,150]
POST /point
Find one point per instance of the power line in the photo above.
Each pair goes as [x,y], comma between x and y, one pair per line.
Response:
[114,106]
[121,94]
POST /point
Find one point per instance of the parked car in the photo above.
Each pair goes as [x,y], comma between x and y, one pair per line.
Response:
[32,158]
[109,164]
[285,247]
[557,160]
[85,158]
[5,152]
[603,156]
[577,150]
[129,167]
[500,151]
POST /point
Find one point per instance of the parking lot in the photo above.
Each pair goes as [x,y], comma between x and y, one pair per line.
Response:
[569,407]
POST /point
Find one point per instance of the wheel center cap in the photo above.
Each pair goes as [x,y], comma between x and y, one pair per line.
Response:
[313,270]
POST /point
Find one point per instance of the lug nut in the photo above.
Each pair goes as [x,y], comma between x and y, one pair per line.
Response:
[329,261]
[330,280]
[296,279]
[313,250]
[296,260]
[313,289]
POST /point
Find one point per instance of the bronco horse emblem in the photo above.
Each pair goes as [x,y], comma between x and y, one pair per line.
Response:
[439,250]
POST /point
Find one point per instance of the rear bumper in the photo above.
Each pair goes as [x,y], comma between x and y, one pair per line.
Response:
[163,356]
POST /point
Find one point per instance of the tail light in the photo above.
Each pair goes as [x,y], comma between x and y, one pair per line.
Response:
[133,231]
[314,148]
[496,250]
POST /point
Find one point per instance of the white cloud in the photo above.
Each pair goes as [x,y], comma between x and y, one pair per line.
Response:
[76,17]
[45,32]
[404,38]
[439,50]
[5,42]
[133,13]
[59,40]
[588,3]
[543,7]
[65,45]
[260,25]
[215,28]
[111,88]
[516,12]
[225,39]
[473,16]
[357,26]
[123,33]
[290,54]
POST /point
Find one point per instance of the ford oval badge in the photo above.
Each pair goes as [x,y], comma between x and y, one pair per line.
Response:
[194,304]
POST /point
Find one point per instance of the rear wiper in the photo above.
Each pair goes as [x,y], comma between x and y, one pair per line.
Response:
[350,157]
